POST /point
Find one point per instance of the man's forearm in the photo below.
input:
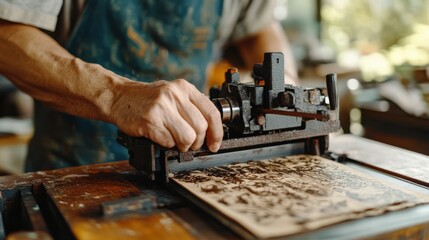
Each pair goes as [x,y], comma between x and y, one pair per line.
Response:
[169,113]
[270,39]
[38,65]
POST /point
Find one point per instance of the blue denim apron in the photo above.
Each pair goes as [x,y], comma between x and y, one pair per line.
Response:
[141,40]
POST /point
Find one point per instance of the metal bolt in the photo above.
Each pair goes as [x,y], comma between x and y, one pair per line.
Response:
[286,99]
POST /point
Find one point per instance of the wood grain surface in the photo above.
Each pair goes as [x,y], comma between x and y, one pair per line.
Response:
[399,162]
[67,204]
[71,199]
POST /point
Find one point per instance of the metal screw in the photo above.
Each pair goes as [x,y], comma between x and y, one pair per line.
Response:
[286,99]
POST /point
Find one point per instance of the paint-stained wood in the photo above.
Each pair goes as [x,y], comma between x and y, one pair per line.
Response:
[160,225]
[71,200]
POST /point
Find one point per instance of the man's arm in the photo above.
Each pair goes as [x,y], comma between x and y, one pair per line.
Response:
[170,113]
[269,39]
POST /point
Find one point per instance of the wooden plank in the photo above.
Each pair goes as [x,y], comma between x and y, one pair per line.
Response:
[160,225]
[392,160]
[14,181]
[81,190]
[78,198]
[32,211]
[200,220]
[420,231]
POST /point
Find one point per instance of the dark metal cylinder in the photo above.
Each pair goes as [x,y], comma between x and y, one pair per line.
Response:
[331,85]
[228,108]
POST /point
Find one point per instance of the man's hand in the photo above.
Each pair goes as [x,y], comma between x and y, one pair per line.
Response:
[169,113]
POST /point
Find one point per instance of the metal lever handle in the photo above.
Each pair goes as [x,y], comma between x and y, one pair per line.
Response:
[331,85]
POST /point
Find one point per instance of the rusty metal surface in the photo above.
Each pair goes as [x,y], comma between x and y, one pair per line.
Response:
[246,155]
[312,129]
[304,115]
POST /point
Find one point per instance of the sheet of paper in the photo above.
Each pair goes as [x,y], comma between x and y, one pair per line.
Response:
[289,195]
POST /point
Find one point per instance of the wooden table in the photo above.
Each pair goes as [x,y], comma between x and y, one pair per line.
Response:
[67,204]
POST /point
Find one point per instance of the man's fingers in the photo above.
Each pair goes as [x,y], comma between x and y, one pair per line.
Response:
[171,114]
[214,133]
[183,134]
[163,137]
[196,120]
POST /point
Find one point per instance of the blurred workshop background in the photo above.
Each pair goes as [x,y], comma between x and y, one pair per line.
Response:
[379,49]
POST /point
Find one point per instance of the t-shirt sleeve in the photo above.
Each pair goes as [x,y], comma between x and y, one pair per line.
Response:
[39,13]
[242,18]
